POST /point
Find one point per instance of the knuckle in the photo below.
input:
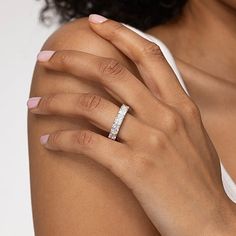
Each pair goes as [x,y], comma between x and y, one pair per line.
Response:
[46,104]
[83,137]
[117,29]
[64,59]
[151,49]
[55,138]
[111,67]
[191,111]
[173,122]
[157,139]
[89,101]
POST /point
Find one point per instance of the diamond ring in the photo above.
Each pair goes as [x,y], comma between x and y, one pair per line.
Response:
[118,121]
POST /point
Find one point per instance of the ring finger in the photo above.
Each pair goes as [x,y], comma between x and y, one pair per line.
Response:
[98,110]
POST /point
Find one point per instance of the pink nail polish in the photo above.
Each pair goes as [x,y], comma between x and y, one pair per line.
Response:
[95,18]
[45,55]
[44,139]
[33,102]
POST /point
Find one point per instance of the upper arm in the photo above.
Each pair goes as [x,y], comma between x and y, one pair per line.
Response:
[71,194]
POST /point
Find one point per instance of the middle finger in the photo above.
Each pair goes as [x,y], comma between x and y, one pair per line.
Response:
[115,77]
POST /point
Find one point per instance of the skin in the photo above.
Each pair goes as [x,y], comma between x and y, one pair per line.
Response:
[146,165]
[80,172]
[82,197]
[208,83]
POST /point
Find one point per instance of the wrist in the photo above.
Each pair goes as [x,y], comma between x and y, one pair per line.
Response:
[217,219]
[224,220]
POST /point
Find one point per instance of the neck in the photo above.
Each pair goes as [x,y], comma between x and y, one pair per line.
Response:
[204,36]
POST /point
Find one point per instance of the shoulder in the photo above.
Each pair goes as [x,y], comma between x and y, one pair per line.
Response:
[77,35]
[74,35]
[70,36]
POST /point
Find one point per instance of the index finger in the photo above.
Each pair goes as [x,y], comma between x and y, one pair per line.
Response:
[148,57]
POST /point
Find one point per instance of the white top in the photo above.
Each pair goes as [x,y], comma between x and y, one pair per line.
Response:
[228,183]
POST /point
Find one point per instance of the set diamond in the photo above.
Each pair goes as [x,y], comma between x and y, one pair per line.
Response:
[118,121]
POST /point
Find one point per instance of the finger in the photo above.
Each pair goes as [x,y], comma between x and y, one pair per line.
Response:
[114,76]
[98,110]
[113,155]
[155,70]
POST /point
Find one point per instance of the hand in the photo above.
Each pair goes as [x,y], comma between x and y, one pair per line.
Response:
[163,153]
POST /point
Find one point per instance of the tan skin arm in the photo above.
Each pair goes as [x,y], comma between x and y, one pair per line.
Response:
[70,195]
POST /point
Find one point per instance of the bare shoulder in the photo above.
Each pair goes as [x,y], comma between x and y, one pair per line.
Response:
[78,35]
[75,35]
[71,194]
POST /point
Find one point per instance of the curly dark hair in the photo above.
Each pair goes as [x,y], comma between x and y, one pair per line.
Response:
[142,14]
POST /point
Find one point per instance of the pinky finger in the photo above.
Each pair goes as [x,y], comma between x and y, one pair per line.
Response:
[112,154]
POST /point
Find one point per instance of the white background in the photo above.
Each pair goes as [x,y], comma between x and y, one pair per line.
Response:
[21,37]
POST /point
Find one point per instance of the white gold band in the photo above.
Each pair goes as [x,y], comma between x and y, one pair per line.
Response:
[118,121]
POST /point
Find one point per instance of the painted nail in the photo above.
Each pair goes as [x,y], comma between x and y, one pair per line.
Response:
[33,102]
[94,18]
[45,55]
[44,139]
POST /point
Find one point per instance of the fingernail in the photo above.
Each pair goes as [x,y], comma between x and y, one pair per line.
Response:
[33,102]
[94,18]
[44,139]
[45,55]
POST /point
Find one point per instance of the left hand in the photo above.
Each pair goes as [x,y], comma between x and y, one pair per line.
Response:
[164,155]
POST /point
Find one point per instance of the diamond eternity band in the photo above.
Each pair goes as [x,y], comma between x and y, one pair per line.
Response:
[118,121]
